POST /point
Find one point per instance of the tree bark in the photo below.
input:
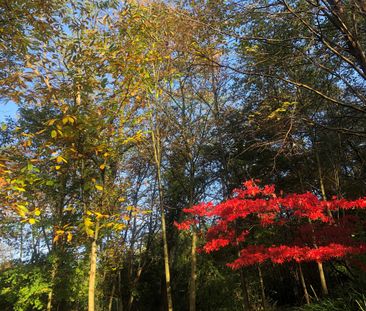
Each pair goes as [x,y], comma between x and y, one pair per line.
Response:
[157,157]
[303,284]
[166,263]
[192,284]
[261,282]
[244,289]
[110,304]
[93,270]
[50,294]
[323,281]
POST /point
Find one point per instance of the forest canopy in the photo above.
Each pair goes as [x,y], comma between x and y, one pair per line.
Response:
[183,155]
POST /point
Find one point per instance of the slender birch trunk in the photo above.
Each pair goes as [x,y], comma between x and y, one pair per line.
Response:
[93,270]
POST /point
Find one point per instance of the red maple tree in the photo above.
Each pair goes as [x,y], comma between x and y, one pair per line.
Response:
[316,234]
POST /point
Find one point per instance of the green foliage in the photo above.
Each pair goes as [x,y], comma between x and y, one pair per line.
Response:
[345,299]
[24,287]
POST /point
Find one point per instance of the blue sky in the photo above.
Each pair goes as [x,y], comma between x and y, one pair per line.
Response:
[8,109]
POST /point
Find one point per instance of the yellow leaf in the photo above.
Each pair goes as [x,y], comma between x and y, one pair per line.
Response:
[57,167]
[119,226]
[99,215]
[88,222]
[102,166]
[72,119]
[65,120]
[22,208]
[41,131]
[60,159]
[99,187]
[51,122]
[32,221]
[53,134]
[89,232]
[69,237]
[37,212]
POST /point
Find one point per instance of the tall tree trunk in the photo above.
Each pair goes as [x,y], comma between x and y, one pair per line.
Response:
[303,284]
[244,289]
[166,263]
[323,281]
[110,304]
[93,270]
[49,300]
[157,158]
[261,282]
[53,276]
[192,284]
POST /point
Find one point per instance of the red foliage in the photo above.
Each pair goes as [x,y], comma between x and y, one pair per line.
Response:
[185,225]
[316,236]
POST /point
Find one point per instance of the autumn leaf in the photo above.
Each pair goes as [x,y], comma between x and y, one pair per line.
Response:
[99,187]
[60,159]
[88,223]
[51,122]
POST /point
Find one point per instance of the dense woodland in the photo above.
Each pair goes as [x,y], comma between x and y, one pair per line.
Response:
[183,155]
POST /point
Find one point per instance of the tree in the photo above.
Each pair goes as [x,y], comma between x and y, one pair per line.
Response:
[238,221]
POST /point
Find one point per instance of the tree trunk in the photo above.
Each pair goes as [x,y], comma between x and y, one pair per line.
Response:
[166,263]
[93,270]
[303,284]
[110,304]
[50,294]
[157,158]
[261,282]
[192,284]
[323,281]
[244,289]
[49,300]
